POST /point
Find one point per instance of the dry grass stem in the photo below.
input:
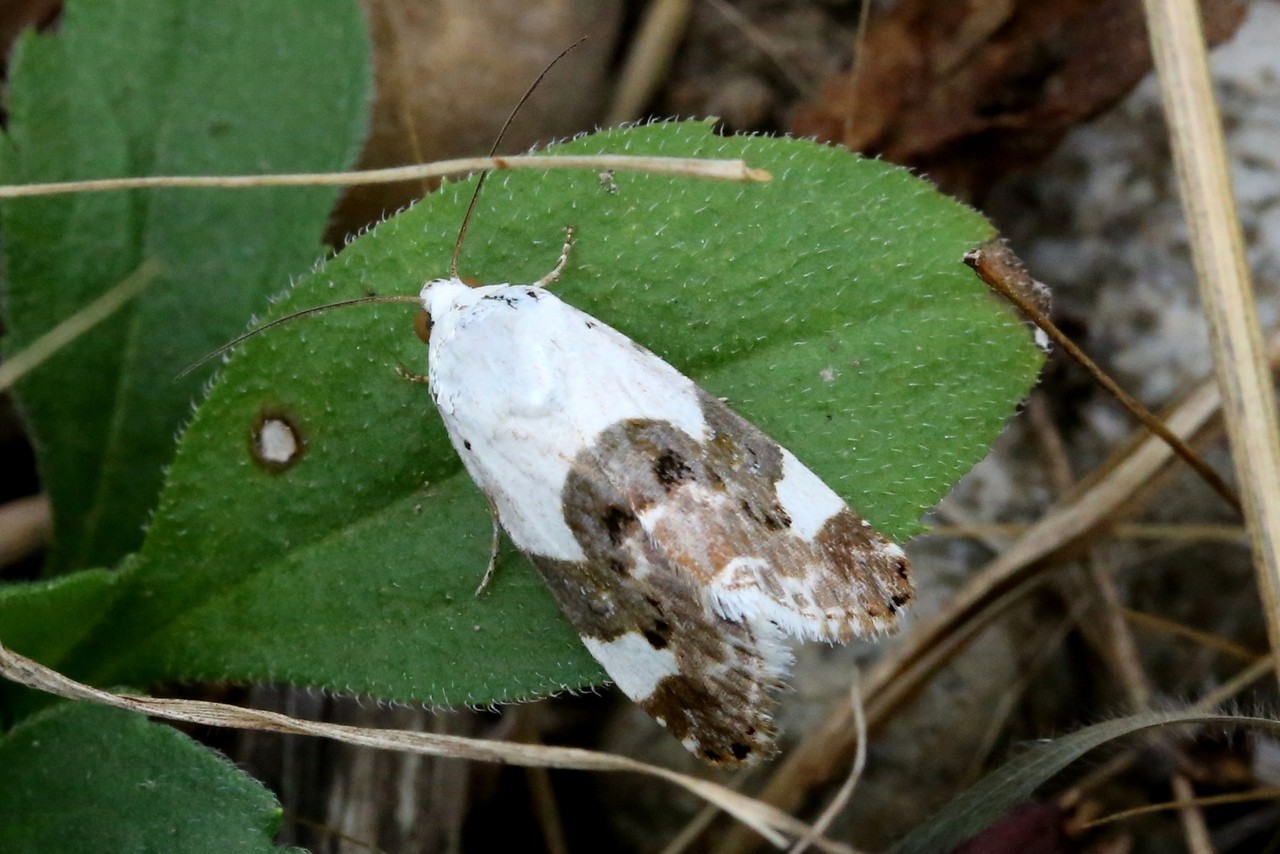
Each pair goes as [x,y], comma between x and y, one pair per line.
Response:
[767,45]
[1194,830]
[1205,639]
[771,823]
[17,365]
[1262,793]
[1188,533]
[648,58]
[1008,701]
[700,822]
[1122,651]
[688,167]
[1217,248]
[841,799]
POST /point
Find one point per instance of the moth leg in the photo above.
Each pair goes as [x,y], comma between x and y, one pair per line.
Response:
[563,259]
[493,547]
[421,379]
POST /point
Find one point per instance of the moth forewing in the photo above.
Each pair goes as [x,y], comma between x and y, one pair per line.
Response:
[681,542]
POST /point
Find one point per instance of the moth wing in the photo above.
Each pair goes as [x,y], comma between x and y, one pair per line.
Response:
[709,679]
[757,531]
[702,552]
[681,542]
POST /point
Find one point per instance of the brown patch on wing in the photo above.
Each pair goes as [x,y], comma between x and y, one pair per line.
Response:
[720,702]
[689,547]
[711,510]
[860,554]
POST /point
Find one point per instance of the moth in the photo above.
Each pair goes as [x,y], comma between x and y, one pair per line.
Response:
[682,543]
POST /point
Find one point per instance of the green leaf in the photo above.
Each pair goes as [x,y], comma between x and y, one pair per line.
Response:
[831,306]
[995,794]
[159,88]
[45,619]
[81,777]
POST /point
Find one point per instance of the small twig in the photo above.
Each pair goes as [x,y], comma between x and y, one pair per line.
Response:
[1205,639]
[983,259]
[1262,793]
[77,324]
[842,797]
[689,167]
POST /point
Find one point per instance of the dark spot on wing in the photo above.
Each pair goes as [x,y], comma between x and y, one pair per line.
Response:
[466,444]
[740,751]
[617,521]
[859,556]
[502,297]
[671,469]
[773,517]
[658,634]
[776,518]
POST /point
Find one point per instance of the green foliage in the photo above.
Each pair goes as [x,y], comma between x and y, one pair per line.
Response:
[831,306]
[160,88]
[79,777]
[47,619]
[151,88]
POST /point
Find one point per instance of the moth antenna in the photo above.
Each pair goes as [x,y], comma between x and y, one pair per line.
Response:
[288,317]
[484,174]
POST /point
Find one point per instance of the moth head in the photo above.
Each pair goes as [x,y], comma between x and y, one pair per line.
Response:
[438,298]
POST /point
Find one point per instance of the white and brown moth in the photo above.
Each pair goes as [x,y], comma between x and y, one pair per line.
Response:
[683,543]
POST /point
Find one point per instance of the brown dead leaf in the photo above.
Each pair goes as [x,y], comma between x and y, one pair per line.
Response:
[17,15]
[447,74]
[971,90]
